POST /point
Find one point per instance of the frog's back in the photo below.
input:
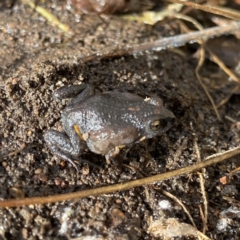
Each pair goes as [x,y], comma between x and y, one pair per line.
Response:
[115,100]
[113,105]
[108,109]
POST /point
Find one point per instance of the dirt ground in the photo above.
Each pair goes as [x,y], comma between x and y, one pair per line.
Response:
[36,58]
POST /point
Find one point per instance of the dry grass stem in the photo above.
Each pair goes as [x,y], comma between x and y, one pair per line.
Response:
[221,64]
[205,202]
[165,43]
[48,16]
[215,10]
[213,159]
[205,215]
[181,204]
[226,99]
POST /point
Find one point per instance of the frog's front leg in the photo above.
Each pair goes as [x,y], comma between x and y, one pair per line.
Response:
[63,146]
[114,156]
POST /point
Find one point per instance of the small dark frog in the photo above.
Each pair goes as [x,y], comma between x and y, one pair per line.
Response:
[105,121]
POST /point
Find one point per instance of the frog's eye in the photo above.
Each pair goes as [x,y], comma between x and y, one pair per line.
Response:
[158,124]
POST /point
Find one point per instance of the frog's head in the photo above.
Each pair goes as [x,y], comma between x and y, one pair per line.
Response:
[160,119]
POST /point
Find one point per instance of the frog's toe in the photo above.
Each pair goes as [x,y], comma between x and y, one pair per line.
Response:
[114,156]
[71,162]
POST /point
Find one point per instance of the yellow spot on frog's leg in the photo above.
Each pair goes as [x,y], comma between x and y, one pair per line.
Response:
[77,130]
[142,138]
[121,146]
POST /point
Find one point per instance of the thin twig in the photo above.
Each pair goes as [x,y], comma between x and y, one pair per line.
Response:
[232,201]
[226,99]
[205,215]
[49,16]
[211,9]
[221,64]
[165,43]
[213,159]
[181,204]
[200,63]
[230,119]
[234,171]
[205,202]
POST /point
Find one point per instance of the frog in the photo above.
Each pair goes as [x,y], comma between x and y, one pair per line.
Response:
[105,122]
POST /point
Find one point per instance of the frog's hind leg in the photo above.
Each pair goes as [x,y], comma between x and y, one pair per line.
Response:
[60,146]
[77,92]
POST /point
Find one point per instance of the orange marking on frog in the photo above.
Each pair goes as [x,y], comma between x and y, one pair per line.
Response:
[77,130]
